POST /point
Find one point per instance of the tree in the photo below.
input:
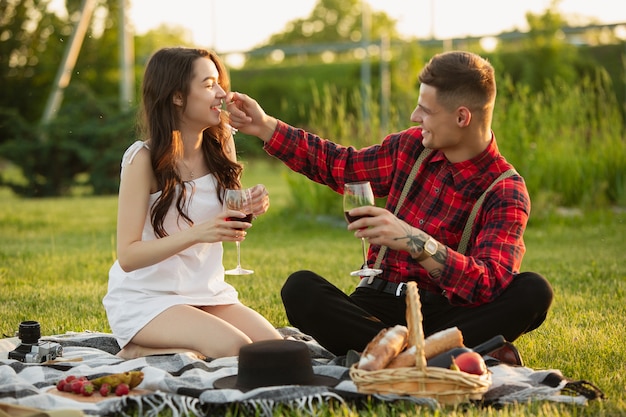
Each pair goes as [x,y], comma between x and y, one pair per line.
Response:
[545,56]
[31,40]
[335,30]
[550,56]
[335,21]
[84,142]
[330,40]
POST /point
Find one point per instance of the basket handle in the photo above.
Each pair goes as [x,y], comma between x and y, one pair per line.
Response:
[414,324]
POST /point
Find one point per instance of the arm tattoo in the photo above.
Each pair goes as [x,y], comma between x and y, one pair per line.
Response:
[435,273]
[415,243]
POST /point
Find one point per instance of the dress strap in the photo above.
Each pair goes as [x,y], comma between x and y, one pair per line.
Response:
[132,151]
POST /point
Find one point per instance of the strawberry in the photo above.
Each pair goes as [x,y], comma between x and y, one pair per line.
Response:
[122,389]
[70,378]
[105,389]
[87,389]
[77,386]
[67,387]
[61,385]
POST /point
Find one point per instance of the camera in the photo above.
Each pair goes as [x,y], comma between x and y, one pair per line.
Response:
[31,350]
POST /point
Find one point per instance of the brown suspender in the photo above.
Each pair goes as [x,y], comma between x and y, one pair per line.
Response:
[467,231]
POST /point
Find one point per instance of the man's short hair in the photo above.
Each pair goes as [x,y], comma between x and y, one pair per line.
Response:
[461,79]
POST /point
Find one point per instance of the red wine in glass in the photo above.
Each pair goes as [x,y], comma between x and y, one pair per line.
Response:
[359,194]
[240,200]
[351,219]
[247,219]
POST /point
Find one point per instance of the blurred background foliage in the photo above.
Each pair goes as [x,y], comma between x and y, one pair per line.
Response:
[559,116]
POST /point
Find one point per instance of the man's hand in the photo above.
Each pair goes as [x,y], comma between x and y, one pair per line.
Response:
[247,116]
[381,227]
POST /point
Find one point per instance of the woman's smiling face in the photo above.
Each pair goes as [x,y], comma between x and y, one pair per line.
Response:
[204,101]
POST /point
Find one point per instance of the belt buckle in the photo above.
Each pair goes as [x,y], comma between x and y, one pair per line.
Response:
[400,289]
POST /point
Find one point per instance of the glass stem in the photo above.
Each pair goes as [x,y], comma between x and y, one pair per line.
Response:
[238,255]
[364,253]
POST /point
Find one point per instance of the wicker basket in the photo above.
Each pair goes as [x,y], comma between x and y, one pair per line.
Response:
[446,386]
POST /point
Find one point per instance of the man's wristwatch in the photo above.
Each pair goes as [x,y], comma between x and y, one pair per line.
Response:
[429,249]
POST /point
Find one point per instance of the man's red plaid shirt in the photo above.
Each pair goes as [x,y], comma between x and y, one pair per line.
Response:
[439,203]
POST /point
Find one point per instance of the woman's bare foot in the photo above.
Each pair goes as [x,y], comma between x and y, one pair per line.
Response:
[133,351]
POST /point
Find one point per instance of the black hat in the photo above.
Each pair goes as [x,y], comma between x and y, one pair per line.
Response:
[271,363]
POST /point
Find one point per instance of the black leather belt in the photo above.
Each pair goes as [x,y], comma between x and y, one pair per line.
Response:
[394,288]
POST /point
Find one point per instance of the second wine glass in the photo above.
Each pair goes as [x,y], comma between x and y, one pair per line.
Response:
[359,194]
[240,200]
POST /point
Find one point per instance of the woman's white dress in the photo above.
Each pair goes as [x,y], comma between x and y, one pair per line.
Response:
[194,276]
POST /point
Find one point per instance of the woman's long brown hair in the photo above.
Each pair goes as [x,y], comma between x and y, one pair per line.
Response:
[169,72]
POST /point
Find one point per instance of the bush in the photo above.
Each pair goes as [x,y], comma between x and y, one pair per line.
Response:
[82,147]
[567,141]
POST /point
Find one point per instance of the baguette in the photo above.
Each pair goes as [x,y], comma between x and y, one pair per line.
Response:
[434,345]
[385,346]
[442,341]
[405,359]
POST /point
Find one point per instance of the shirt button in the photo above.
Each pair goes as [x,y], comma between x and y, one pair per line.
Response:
[421,221]
[436,190]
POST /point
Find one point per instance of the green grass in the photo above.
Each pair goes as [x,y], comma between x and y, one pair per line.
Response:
[55,255]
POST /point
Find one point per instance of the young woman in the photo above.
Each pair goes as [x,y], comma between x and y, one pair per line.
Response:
[166,290]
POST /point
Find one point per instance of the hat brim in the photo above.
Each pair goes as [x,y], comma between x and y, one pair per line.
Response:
[230,382]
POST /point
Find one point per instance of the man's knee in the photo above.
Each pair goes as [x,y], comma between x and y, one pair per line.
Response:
[533,297]
[298,288]
[536,289]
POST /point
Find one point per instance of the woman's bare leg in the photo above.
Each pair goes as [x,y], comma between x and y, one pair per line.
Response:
[184,328]
[249,321]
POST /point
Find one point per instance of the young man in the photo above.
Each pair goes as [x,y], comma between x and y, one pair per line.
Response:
[472,282]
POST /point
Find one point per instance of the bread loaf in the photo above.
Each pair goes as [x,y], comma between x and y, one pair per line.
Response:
[405,359]
[442,341]
[434,345]
[385,346]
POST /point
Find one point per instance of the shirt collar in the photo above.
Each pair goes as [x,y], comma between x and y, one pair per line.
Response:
[471,170]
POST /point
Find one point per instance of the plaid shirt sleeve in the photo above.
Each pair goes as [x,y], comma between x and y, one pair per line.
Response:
[331,164]
[439,203]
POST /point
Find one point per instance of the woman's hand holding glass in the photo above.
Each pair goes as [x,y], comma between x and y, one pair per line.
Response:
[260,200]
[242,201]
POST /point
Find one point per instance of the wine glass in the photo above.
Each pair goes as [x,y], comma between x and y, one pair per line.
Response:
[359,194]
[240,200]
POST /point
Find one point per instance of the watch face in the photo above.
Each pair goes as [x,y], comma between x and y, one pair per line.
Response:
[430,246]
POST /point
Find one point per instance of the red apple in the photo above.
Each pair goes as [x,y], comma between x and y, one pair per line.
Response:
[470,362]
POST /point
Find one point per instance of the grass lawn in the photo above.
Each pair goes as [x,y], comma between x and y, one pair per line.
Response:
[55,255]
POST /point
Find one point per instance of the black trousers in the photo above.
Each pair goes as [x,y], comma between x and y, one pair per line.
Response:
[341,322]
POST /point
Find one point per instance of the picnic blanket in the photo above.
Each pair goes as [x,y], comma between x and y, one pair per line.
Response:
[183,383]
